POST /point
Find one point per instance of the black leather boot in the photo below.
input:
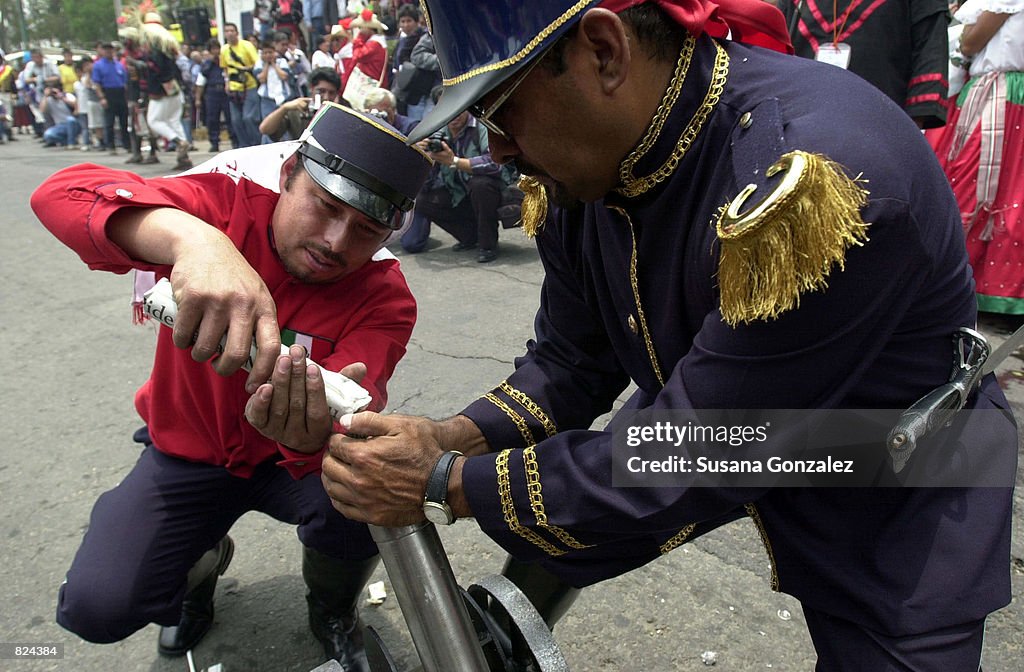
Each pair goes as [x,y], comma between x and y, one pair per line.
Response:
[151,158]
[136,143]
[334,590]
[184,163]
[197,608]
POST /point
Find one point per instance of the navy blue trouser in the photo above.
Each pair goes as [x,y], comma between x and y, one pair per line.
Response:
[215,106]
[146,533]
[473,222]
[843,646]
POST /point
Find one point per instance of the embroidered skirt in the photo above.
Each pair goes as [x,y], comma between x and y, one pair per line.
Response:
[994,232]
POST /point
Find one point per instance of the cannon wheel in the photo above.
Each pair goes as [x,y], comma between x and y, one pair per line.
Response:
[513,635]
[377,655]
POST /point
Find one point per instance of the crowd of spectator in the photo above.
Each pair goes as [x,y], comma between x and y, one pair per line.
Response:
[148,93]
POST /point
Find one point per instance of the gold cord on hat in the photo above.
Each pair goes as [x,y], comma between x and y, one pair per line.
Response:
[566,17]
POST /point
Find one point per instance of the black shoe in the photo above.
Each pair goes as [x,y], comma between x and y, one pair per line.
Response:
[461,247]
[341,636]
[486,256]
[197,608]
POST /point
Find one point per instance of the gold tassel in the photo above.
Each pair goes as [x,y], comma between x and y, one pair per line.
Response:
[787,244]
[535,205]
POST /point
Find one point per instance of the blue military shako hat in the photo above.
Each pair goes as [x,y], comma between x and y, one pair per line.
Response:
[481,44]
[364,162]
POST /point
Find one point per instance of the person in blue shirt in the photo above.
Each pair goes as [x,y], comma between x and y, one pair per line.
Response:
[112,78]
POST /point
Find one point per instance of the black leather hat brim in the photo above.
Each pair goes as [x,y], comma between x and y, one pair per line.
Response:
[457,99]
[352,193]
[479,45]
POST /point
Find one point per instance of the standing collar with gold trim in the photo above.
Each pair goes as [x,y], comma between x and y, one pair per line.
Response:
[693,94]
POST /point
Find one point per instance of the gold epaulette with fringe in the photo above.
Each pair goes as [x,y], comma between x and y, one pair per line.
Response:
[787,244]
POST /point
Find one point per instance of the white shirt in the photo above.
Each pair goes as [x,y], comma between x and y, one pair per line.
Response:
[322,60]
[1005,51]
[275,87]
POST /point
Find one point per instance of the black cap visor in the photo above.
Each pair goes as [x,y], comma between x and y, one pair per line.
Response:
[456,99]
[346,189]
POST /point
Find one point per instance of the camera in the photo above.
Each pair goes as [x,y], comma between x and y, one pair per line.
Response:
[312,107]
[434,142]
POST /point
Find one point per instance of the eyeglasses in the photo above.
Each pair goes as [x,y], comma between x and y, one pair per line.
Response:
[484,115]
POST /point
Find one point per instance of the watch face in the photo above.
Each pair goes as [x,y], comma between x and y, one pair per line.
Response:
[438,514]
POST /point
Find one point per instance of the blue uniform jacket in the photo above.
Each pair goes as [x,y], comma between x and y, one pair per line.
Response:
[899,561]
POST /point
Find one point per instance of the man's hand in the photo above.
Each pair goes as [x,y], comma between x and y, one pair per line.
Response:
[292,408]
[217,292]
[378,474]
[444,157]
[381,479]
[298,104]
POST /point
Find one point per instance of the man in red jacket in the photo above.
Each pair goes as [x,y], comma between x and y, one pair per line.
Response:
[281,243]
[369,50]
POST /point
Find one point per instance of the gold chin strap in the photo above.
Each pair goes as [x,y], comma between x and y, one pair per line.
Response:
[787,243]
[535,205]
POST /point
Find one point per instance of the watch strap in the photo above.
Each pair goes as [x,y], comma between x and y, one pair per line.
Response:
[437,484]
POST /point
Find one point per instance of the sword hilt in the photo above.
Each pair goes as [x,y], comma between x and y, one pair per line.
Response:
[937,408]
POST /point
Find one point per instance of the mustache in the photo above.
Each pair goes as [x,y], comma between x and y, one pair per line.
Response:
[527,168]
[326,253]
[556,192]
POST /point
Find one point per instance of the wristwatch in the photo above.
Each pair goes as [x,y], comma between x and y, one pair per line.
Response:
[435,506]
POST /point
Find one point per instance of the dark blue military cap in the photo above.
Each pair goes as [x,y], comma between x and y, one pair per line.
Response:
[481,44]
[364,162]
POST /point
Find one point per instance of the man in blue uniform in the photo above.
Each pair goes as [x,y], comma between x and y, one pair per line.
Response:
[646,124]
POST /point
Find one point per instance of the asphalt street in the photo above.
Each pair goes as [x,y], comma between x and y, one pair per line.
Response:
[66,438]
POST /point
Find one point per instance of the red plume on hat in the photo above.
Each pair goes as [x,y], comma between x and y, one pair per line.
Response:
[368,20]
[750,21]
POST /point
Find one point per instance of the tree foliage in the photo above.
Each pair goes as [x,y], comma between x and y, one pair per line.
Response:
[78,23]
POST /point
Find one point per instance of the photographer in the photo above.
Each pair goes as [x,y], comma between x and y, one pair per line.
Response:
[274,77]
[60,107]
[38,69]
[289,120]
[238,59]
[382,103]
[211,88]
[463,192]
[298,63]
